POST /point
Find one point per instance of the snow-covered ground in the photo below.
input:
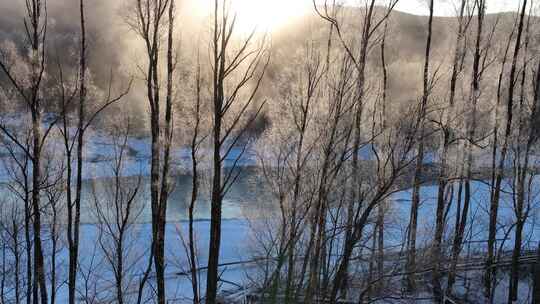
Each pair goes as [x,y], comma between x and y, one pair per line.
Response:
[477,228]
[237,238]
[95,268]
[100,150]
[244,206]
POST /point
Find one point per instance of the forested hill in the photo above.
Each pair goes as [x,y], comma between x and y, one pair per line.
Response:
[405,46]
[114,48]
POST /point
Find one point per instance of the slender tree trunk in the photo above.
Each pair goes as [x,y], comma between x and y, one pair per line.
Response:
[413,221]
[224,136]
[216,196]
[320,212]
[516,252]
[152,28]
[35,25]
[195,190]
[4,271]
[534,129]
[164,188]
[35,107]
[439,221]
[120,269]
[39,272]
[340,277]
[74,233]
[471,131]
[536,277]
[522,171]
[494,204]
[54,241]
[298,171]
[27,238]
[155,175]
[15,227]
[446,141]
[371,266]
[411,258]
[215,223]
[382,207]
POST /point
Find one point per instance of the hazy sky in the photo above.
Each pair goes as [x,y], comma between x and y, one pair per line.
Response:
[448,7]
[420,7]
[272,13]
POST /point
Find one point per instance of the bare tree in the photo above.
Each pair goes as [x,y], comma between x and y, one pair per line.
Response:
[523,146]
[536,270]
[153,22]
[285,168]
[411,240]
[53,212]
[11,226]
[71,93]
[461,216]
[29,89]
[358,220]
[116,211]
[494,202]
[73,220]
[198,137]
[17,163]
[237,73]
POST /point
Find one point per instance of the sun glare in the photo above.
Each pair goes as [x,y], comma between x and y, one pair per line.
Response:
[261,15]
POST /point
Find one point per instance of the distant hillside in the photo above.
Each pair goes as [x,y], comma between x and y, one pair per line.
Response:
[113,45]
[405,45]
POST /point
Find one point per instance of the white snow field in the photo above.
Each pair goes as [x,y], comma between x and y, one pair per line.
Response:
[244,207]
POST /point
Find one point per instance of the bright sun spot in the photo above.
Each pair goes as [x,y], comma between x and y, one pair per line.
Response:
[263,15]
